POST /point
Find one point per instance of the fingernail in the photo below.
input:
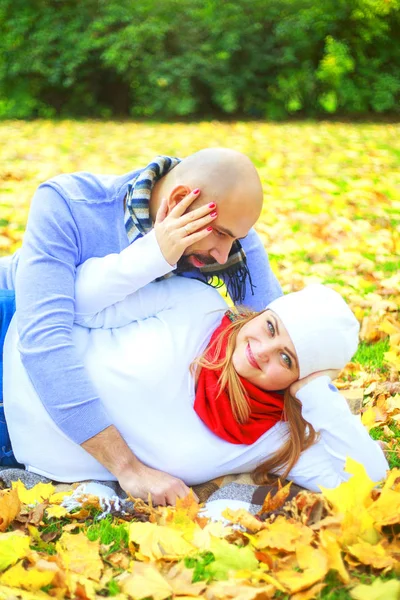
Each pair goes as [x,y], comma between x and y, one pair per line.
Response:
[196,191]
[209,228]
[212,205]
[213,214]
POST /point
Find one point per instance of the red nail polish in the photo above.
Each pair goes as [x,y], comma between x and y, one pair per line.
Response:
[196,191]
[209,228]
[212,205]
[213,214]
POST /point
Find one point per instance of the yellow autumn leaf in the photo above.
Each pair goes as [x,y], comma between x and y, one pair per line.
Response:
[27,579]
[35,495]
[314,565]
[244,518]
[10,506]
[13,546]
[334,554]
[80,555]
[7,593]
[311,593]
[377,590]
[350,494]
[145,582]
[158,541]
[373,555]
[58,497]
[386,509]
[283,534]
[56,511]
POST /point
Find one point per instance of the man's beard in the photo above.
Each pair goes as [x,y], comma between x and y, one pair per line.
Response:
[184,265]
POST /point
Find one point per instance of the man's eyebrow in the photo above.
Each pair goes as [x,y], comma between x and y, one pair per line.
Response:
[227,232]
[285,348]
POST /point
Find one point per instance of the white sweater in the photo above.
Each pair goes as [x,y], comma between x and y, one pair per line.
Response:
[137,341]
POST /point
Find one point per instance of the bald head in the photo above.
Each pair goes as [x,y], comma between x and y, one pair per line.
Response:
[222,175]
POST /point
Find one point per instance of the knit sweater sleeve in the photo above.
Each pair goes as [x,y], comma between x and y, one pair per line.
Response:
[265,286]
[108,280]
[45,312]
[342,435]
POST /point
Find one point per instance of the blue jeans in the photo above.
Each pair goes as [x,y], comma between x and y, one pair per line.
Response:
[7,309]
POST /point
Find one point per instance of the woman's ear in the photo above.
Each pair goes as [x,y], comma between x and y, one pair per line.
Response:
[177,194]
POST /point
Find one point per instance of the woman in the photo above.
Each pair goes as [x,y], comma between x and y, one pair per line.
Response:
[154,354]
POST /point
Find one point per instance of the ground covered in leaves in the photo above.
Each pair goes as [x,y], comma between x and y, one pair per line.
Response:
[331,215]
[340,539]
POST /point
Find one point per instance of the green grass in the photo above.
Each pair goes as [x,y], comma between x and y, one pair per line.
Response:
[108,532]
[370,356]
[392,456]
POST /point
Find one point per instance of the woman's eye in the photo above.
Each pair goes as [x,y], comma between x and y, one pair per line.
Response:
[271,328]
[219,233]
[287,360]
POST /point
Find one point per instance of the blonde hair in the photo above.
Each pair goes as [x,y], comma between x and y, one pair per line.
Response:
[301,435]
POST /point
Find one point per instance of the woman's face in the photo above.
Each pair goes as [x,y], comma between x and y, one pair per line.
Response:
[264,353]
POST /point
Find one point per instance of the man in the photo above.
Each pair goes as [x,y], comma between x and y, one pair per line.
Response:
[200,207]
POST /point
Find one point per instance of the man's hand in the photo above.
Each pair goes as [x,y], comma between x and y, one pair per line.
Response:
[297,385]
[138,480]
[176,231]
[164,488]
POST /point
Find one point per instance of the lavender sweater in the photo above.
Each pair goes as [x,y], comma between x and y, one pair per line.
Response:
[72,218]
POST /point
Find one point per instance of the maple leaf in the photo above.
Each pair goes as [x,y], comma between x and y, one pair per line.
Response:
[283,534]
[180,579]
[314,565]
[244,518]
[311,593]
[373,555]
[145,582]
[35,495]
[80,555]
[229,557]
[56,511]
[333,552]
[273,503]
[13,546]
[27,579]
[157,541]
[378,590]
[10,506]
[386,509]
[230,590]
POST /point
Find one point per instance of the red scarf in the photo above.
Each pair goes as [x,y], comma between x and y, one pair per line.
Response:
[266,408]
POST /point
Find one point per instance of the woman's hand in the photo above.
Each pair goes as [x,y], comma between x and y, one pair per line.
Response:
[176,231]
[163,488]
[297,385]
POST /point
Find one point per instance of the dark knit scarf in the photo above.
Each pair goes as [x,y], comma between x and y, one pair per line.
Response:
[233,273]
[214,407]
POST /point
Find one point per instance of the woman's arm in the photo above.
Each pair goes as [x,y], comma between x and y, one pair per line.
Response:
[105,281]
[341,435]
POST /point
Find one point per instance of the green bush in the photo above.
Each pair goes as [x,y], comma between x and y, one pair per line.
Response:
[177,58]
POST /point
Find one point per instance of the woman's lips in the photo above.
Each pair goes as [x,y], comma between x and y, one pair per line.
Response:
[251,358]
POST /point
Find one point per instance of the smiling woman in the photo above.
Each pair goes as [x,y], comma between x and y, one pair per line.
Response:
[194,420]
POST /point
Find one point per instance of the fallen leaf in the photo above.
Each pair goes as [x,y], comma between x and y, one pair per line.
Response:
[378,590]
[158,541]
[36,494]
[27,579]
[80,555]
[13,546]
[145,582]
[10,506]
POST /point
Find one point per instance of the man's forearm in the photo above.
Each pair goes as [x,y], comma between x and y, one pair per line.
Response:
[110,449]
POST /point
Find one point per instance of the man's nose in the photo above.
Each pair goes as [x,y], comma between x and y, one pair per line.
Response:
[221,252]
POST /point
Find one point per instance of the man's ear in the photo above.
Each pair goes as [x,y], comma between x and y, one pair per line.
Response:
[177,194]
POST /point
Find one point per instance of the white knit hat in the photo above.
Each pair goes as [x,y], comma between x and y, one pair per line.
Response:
[323,329]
